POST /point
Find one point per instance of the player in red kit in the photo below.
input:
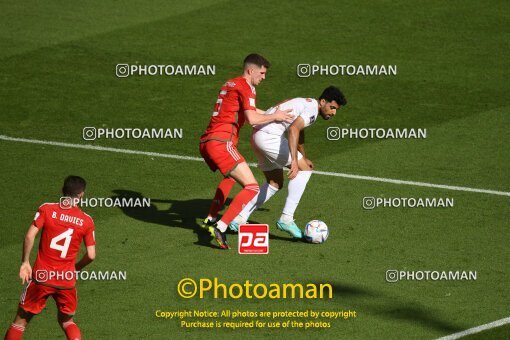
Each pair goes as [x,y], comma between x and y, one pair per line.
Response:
[218,145]
[64,226]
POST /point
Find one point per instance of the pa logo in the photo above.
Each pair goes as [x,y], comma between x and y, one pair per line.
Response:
[253,239]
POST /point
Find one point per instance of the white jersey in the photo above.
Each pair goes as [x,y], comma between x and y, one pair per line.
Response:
[306,108]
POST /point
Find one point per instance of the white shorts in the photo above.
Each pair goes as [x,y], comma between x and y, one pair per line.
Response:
[272,151]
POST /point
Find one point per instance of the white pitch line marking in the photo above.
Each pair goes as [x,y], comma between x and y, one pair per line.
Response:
[189,158]
[477,329]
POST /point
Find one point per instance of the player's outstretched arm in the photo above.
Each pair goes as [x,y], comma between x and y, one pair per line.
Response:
[25,271]
[294,134]
[255,118]
[87,258]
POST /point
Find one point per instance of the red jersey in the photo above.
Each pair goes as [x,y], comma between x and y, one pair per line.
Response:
[62,233]
[236,96]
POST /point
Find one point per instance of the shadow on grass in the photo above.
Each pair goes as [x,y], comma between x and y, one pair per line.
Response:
[180,214]
[394,308]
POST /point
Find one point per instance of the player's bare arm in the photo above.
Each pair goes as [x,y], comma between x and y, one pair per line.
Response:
[87,258]
[262,112]
[255,118]
[294,132]
[301,148]
[301,142]
[25,271]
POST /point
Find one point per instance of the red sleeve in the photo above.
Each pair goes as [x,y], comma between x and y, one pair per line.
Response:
[39,217]
[90,237]
[247,98]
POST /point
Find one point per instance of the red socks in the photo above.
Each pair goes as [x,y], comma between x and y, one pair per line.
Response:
[72,331]
[242,198]
[221,196]
[15,332]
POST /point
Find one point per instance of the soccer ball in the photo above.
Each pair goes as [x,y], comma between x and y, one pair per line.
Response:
[316,232]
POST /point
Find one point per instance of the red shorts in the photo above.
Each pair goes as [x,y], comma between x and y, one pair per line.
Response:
[221,156]
[34,296]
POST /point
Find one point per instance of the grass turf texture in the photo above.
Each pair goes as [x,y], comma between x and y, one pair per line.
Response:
[453,67]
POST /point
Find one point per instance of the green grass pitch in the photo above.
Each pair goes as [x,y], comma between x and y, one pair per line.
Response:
[57,76]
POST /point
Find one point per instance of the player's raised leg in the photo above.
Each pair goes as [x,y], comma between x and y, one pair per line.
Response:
[274,182]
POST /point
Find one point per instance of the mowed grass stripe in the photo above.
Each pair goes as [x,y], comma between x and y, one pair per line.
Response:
[22,36]
[190,158]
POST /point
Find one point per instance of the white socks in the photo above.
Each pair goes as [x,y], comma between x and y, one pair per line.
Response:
[222,226]
[286,218]
[296,189]
[266,192]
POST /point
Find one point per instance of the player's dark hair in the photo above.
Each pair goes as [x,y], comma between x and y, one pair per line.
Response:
[256,59]
[73,185]
[333,93]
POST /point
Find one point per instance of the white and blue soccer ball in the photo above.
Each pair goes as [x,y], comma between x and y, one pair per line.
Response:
[316,231]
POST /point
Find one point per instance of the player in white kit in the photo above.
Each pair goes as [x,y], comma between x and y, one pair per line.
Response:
[275,150]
